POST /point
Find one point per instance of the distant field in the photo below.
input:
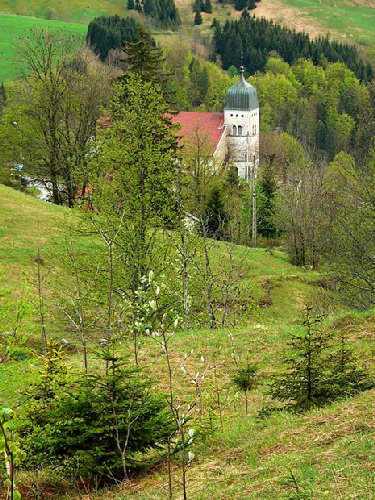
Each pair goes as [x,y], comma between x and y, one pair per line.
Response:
[79,11]
[355,18]
[12,26]
[342,19]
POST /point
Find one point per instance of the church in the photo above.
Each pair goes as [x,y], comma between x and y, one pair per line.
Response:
[234,134]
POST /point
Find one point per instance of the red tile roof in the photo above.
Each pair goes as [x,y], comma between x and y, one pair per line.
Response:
[194,123]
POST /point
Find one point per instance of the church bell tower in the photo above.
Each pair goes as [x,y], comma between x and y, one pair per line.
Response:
[241,120]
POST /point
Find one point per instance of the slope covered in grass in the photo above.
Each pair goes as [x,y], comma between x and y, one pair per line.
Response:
[346,20]
[326,453]
[25,222]
[13,26]
[78,11]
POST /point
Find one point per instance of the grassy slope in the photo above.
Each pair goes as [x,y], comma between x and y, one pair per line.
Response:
[328,450]
[24,221]
[354,18]
[79,11]
[12,26]
[344,20]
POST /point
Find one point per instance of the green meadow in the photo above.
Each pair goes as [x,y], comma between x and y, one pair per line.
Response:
[13,26]
[77,11]
[353,18]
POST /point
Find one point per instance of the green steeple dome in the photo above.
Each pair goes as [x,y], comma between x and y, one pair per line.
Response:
[241,96]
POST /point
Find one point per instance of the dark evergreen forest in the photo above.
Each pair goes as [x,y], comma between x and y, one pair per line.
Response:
[162,13]
[249,41]
[113,32]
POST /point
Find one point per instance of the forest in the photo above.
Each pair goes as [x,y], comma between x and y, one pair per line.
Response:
[251,39]
[160,346]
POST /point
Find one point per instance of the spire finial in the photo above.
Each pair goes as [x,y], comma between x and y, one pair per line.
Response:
[242,71]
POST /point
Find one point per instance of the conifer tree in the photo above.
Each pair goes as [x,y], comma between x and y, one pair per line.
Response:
[198,18]
[266,203]
[215,217]
[140,152]
[144,58]
[207,6]
[348,377]
[305,384]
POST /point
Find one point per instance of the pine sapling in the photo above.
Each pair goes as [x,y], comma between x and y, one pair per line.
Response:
[245,380]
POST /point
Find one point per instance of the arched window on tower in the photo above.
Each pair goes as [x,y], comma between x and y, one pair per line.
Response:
[234,130]
[239,130]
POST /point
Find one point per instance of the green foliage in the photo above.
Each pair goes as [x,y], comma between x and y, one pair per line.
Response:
[241,4]
[305,383]
[350,256]
[11,451]
[16,313]
[348,376]
[143,58]
[327,109]
[198,18]
[214,217]
[162,13]
[244,378]
[49,121]
[138,199]
[207,7]
[266,204]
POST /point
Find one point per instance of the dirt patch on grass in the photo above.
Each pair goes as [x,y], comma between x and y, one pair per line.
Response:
[278,449]
[291,17]
[356,328]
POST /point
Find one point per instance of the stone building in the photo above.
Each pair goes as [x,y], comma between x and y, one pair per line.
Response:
[234,134]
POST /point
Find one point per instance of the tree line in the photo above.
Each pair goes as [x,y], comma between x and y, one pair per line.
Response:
[106,33]
[162,13]
[250,40]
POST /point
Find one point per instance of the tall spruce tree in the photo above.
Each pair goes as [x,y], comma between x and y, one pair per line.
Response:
[134,177]
[266,203]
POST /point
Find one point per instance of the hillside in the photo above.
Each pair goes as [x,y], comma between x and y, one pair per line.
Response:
[346,20]
[349,22]
[326,453]
[13,26]
[77,11]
